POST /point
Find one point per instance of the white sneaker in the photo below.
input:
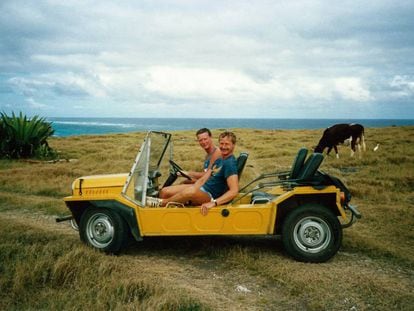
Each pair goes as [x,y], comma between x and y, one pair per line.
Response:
[153,202]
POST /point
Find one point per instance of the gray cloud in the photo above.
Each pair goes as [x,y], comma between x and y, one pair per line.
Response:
[208,55]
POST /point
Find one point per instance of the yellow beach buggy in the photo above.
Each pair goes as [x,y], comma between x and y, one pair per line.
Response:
[307,207]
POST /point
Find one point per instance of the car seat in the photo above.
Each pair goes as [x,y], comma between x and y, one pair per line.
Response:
[297,165]
[241,163]
[310,167]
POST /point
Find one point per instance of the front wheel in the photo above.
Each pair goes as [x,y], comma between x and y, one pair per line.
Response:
[312,233]
[103,229]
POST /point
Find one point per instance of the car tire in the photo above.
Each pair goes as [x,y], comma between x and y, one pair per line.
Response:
[311,233]
[104,230]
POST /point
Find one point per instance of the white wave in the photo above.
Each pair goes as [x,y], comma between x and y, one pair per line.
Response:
[89,123]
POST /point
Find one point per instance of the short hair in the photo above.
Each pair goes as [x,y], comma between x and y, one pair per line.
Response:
[203,130]
[231,135]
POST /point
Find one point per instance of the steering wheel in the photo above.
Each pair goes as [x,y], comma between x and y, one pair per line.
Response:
[177,169]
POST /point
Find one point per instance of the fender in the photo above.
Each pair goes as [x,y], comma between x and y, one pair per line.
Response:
[294,200]
[126,212]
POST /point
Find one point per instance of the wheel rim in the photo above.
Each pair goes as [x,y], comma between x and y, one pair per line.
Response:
[100,230]
[312,234]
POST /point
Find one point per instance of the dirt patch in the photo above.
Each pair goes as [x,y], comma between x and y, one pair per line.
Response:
[215,285]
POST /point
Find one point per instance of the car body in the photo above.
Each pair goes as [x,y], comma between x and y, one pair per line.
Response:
[307,207]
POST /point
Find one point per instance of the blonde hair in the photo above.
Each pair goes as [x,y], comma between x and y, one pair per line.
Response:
[231,135]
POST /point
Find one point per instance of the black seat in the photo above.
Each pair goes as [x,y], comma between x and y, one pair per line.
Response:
[310,167]
[306,173]
[241,163]
[297,165]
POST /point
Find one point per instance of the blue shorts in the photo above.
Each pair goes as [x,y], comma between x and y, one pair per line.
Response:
[205,191]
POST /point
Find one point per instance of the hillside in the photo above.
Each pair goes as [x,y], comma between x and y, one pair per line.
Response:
[43,265]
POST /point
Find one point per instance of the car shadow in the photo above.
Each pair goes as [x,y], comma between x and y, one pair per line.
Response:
[203,246]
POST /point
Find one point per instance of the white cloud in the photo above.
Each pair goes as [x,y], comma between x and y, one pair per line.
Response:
[404,85]
[34,104]
[353,89]
[224,85]
[196,82]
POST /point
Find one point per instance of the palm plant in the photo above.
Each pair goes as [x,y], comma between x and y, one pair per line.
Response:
[22,137]
[3,138]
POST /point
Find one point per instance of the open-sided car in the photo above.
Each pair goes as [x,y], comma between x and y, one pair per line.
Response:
[307,207]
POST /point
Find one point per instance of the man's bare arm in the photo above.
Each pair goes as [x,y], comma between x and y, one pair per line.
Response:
[233,184]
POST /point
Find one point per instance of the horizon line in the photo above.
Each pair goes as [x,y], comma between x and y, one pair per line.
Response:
[247,118]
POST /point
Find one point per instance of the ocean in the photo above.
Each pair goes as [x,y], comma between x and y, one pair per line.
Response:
[91,126]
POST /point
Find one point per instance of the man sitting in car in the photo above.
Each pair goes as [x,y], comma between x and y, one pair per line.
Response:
[205,141]
[217,186]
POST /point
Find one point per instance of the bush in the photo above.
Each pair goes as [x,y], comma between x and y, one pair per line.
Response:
[21,137]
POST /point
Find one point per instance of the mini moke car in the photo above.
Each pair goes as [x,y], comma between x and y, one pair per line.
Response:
[305,206]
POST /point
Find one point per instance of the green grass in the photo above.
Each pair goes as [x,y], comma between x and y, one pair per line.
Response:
[41,270]
[43,265]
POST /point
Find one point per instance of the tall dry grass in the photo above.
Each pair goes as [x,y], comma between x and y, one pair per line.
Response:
[43,265]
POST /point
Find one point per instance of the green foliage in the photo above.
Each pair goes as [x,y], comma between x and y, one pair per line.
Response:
[21,137]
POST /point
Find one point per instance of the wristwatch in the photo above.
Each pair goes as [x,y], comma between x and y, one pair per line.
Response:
[215,202]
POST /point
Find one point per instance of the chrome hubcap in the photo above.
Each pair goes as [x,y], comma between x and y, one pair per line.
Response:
[312,234]
[100,230]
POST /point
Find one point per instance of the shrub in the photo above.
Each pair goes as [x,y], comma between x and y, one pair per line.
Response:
[21,137]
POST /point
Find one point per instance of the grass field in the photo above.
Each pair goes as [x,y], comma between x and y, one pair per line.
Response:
[43,265]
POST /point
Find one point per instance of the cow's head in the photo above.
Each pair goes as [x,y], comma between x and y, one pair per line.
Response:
[319,148]
[323,143]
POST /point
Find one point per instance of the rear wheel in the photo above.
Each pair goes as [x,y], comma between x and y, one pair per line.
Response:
[312,233]
[103,229]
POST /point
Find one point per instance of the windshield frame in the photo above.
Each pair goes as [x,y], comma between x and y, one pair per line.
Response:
[138,175]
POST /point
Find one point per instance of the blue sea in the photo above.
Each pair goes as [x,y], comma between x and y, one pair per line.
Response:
[88,126]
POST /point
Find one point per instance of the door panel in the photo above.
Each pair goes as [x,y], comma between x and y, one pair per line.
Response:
[242,219]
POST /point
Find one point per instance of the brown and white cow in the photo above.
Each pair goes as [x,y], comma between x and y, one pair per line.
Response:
[338,133]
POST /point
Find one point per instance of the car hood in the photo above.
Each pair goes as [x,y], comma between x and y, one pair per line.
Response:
[100,181]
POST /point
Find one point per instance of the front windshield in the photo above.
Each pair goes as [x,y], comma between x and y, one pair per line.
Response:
[159,143]
[146,165]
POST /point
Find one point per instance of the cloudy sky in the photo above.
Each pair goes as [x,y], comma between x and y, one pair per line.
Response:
[276,58]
